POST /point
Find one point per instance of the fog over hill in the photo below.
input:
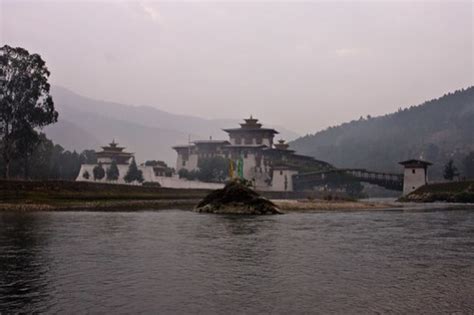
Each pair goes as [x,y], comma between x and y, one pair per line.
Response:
[436,130]
[85,123]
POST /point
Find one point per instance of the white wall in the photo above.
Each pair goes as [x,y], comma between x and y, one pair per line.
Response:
[413,178]
[279,178]
[191,163]
[147,171]
[176,182]
[148,176]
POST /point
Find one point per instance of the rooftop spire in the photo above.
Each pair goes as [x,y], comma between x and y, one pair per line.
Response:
[251,123]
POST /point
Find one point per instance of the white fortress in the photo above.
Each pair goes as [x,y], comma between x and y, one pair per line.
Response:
[270,166]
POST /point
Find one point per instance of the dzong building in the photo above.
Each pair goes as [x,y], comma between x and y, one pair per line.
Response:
[269,165]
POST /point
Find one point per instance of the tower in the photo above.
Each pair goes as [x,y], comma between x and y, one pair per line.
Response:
[415,175]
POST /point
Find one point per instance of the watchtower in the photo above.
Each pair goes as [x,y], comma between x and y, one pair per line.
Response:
[415,175]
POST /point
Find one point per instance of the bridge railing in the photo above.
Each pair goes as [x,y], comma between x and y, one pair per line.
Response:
[388,180]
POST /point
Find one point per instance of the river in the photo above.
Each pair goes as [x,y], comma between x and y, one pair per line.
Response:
[173,262]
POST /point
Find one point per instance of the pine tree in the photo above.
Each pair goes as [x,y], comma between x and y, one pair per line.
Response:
[113,171]
[450,171]
[99,172]
[133,173]
[85,175]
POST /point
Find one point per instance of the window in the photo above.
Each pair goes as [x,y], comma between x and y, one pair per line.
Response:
[238,140]
[184,163]
[413,171]
[259,140]
[248,140]
[281,172]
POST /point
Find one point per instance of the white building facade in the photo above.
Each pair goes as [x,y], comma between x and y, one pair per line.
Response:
[254,146]
[157,173]
[415,175]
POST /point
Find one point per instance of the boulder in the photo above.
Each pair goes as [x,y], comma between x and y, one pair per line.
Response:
[236,198]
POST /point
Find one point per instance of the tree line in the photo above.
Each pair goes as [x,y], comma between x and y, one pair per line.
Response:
[437,131]
[47,161]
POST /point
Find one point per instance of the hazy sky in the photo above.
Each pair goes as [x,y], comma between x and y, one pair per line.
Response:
[305,65]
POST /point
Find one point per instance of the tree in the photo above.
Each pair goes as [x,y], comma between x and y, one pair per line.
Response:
[450,170]
[214,169]
[468,164]
[183,173]
[113,171]
[99,172]
[25,102]
[88,157]
[133,173]
[27,139]
[86,175]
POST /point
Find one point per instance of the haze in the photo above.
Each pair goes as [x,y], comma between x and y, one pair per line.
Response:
[304,66]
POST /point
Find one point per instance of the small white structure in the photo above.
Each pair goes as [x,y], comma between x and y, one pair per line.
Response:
[415,175]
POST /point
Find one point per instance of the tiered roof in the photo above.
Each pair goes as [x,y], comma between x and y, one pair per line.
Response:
[251,124]
[113,151]
[414,163]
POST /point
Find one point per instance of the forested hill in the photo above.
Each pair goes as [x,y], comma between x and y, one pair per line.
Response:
[437,131]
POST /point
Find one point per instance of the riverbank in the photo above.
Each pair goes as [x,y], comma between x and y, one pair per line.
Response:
[84,196]
[65,195]
[455,192]
[186,204]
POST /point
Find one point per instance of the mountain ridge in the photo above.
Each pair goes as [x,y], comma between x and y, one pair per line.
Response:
[86,123]
[436,130]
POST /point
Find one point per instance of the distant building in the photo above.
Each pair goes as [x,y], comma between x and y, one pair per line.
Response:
[113,152]
[268,165]
[153,171]
[415,175]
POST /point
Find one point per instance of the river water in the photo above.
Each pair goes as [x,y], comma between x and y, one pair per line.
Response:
[173,262]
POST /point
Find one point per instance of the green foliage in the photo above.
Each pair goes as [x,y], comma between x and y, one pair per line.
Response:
[450,170]
[86,175]
[89,157]
[214,169]
[155,163]
[133,173]
[98,172]
[113,171]
[27,140]
[25,103]
[46,161]
[433,130]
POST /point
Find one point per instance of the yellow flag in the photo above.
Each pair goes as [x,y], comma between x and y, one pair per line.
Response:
[231,169]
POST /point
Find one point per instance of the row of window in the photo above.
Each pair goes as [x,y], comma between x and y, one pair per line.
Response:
[248,140]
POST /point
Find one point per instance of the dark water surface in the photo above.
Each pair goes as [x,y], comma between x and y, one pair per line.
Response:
[182,262]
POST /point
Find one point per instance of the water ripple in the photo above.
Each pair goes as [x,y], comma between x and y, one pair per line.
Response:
[182,262]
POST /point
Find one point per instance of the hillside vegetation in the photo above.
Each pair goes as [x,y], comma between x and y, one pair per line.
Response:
[437,130]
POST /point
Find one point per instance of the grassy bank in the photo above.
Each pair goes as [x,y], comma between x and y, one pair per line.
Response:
[65,195]
[334,205]
[462,192]
[86,196]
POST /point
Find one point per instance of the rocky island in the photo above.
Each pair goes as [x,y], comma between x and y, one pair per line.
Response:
[236,198]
